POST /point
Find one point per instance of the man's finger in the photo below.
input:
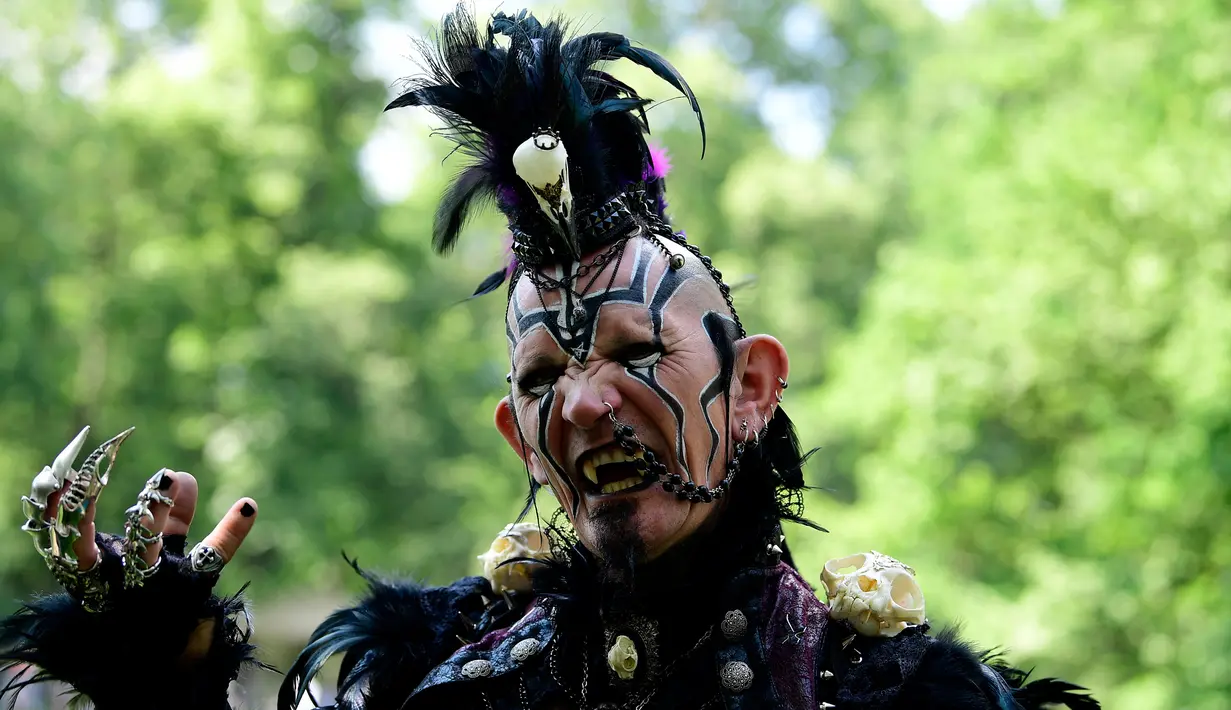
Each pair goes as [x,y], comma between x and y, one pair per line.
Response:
[159,511]
[85,548]
[184,493]
[231,531]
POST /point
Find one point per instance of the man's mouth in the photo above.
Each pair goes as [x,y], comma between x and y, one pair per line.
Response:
[610,470]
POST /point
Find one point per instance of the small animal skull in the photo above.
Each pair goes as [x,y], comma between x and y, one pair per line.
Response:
[622,658]
[517,540]
[879,598]
[542,162]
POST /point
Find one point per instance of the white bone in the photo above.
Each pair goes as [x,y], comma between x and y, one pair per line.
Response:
[542,162]
[879,598]
[62,467]
[517,540]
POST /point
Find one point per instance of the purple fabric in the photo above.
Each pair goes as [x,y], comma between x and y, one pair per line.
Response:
[793,664]
[495,647]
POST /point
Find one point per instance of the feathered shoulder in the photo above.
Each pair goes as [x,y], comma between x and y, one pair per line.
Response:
[886,658]
[395,635]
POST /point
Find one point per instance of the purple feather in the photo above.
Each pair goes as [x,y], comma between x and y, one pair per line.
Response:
[660,163]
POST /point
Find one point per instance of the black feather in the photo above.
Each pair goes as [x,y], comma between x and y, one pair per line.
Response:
[1038,694]
[47,634]
[451,214]
[1046,692]
[616,46]
[491,98]
[951,675]
[391,640]
[491,283]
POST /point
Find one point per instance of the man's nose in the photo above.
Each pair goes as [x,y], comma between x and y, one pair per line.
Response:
[585,402]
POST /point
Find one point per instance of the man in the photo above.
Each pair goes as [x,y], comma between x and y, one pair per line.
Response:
[635,396]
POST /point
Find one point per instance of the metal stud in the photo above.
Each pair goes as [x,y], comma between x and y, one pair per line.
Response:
[734,624]
[826,675]
[523,650]
[477,668]
[736,676]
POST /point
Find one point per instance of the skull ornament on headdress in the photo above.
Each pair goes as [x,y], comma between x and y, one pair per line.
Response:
[542,162]
[554,140]
[879,598]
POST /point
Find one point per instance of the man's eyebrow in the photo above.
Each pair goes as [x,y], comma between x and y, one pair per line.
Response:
[536,362]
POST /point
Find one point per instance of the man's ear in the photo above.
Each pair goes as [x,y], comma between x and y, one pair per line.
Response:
[760,362]
[506,424]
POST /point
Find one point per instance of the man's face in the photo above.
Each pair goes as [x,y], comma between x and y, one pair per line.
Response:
[642,339]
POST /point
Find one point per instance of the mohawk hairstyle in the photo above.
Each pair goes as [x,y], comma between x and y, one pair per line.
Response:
[492,98]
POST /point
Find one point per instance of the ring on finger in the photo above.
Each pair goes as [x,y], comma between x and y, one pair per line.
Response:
[136,571]
[205,559]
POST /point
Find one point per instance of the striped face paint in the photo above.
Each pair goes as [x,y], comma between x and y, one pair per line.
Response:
[642,337]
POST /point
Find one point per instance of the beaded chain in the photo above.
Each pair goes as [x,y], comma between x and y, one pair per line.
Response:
[653,469]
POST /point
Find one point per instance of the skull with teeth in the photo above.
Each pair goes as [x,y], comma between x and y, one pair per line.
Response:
[879,598]
[517,541]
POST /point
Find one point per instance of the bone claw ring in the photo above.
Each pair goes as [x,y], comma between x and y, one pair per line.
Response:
[205,559]
[54,526]
[136,571]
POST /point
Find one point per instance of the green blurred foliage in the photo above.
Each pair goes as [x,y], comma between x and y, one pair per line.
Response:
[996,246]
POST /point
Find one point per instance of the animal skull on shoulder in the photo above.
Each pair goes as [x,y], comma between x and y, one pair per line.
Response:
[879,598]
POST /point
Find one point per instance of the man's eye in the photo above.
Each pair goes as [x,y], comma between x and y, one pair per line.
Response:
[538,390]
[641,356]
[537,385]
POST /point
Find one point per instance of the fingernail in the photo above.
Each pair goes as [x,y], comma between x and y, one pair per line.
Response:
[166,482]
[247,511]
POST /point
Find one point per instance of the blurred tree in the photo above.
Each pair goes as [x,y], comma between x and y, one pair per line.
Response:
[995,247]
[1039,388]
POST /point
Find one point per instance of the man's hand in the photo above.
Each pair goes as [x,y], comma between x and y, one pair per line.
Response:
[174,519]
[60,514]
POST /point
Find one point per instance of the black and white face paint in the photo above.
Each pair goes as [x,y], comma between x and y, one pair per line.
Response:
[636,334]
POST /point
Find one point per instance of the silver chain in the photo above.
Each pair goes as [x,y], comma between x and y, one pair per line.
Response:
[671,668]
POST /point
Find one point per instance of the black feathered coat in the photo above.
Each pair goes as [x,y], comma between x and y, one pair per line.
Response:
[407,646]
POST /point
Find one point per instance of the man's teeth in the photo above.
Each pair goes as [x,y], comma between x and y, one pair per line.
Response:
[620,485]
[589,467]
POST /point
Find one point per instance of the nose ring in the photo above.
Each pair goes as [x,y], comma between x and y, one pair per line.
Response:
[610,410]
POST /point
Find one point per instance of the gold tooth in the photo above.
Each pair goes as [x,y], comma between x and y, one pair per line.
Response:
[589,468]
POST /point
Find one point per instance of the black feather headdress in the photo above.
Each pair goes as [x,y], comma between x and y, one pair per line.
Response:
[522,90]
